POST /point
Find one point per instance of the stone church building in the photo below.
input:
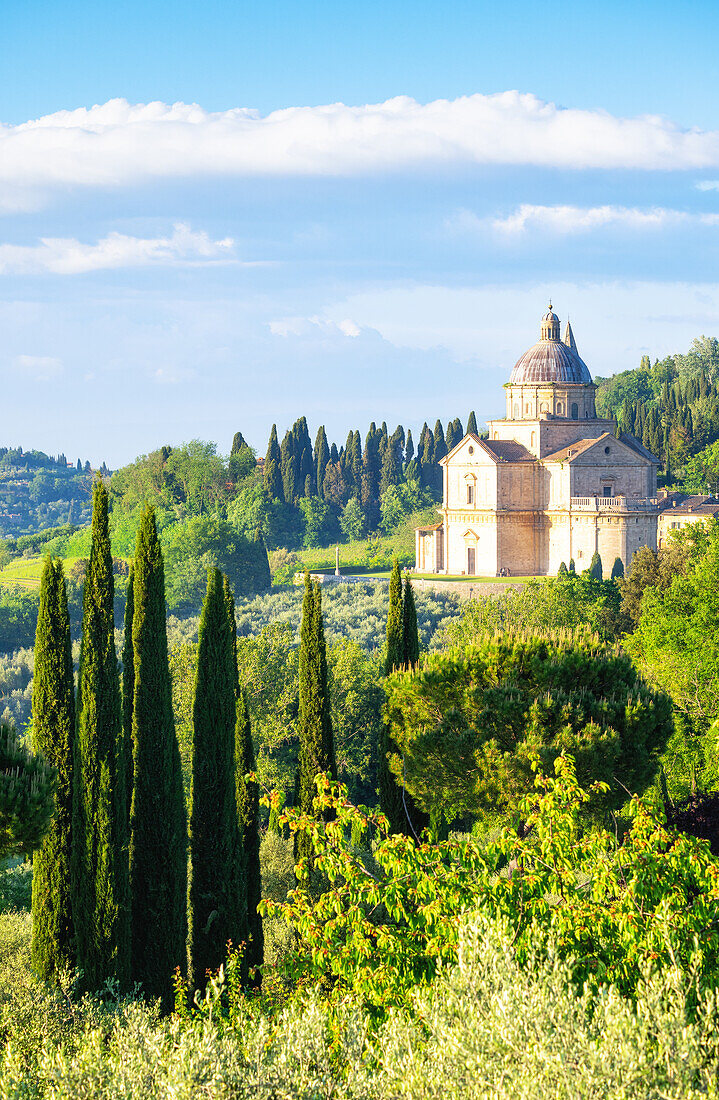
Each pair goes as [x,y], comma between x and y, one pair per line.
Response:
[551,483]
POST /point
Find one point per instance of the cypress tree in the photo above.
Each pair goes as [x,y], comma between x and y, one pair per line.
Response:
[321,458]
[217,912]
[288,469]
[595,566]
[617,569]
[408,449]
[562,571]
[391,473]
[390,792]
[247,793]
[402,649]
[472,423]
[272,477]
[238,442]
[53,734]
[409,626]
[128,690]
[316,751]
[101,901]
[158,824]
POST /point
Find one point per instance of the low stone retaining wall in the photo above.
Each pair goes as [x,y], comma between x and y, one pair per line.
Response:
[465,590]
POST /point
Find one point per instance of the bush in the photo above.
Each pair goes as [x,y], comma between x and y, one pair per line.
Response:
[193,545]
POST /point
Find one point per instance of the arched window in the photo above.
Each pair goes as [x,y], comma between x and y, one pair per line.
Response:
[534,439]
[575,411]
[544,407]
[560,408]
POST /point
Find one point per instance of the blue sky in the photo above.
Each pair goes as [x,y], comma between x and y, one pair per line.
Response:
[217,216]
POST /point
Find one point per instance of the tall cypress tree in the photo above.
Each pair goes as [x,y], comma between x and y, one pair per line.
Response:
[101,904]
[410,633]
[402,648]
[238,442]
[316,752]
[217,912]
[288,469]
[409,448]
[247,793]
[128,690]
[272,476]
[472,424]
[53,734]
[158,824]
[321,458]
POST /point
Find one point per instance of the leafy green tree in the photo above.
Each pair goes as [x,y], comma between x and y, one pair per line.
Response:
[101,901]
[470,723]
[158,825]
[314,722]
[27,795]
[352,520]
[317,518]
[192,546]
[53,735]
[243,463]
[676,645]
[651,568]
[217,910]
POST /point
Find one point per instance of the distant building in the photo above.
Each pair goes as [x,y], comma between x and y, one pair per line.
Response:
[677,510]
[552,482]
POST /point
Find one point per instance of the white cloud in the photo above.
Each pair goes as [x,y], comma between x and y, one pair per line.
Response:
[41,368]
[67,256]
[307,326]
[708,185]
[577,219]
[118,143]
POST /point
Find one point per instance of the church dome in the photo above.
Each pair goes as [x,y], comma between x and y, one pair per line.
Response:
[551,360]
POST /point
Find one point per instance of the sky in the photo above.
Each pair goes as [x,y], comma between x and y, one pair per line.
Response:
[215,217]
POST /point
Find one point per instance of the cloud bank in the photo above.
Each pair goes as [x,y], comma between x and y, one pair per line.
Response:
[118,143]
[67,256]
[581,219]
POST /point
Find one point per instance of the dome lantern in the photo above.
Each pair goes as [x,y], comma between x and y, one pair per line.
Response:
[550,325]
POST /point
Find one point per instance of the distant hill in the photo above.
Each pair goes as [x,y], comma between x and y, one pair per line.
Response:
[39,491]
[672,407]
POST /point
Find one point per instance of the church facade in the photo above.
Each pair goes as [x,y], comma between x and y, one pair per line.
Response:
[551,483]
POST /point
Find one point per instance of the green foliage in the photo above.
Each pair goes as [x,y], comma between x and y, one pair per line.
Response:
[318,521]
[99,825]
[158,826]
[53,735]
[595,567]
[18,618]
[614,913]
[27,795]
[617,570]
[192,546]
[399,501]
[352,520]
[676,644]
[217,912]
[410,632]
[391,790]
[314,721]
[15,884]
[470,723]
[566,602]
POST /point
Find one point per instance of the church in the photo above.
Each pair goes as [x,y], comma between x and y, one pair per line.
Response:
[552,482]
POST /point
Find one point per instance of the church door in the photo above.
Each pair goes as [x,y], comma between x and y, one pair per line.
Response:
[470,561]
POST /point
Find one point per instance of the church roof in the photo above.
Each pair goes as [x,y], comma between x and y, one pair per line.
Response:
[552,359]
[508,450]
[573,450]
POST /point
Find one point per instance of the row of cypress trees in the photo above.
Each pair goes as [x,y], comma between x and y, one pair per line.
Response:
[110,888]
[295,469]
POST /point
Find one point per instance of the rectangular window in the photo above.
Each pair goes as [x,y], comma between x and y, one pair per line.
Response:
[470,494]
[607,490]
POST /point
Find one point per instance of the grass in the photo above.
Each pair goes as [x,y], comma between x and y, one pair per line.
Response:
[27,572]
